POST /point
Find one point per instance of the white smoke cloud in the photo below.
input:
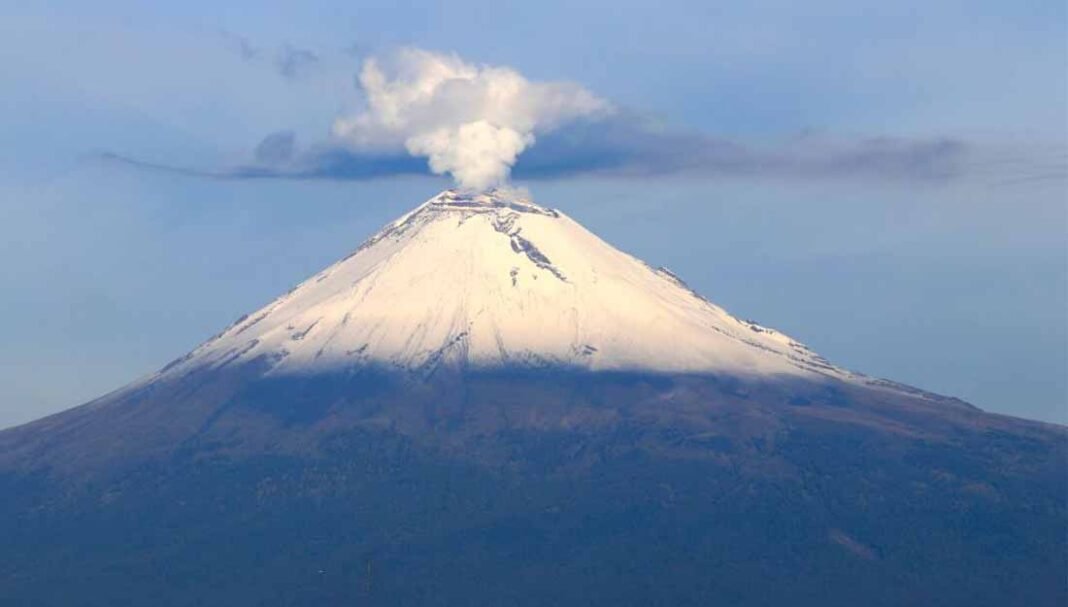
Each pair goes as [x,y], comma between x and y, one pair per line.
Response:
[470,121]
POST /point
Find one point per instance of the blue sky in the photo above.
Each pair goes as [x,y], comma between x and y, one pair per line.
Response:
[952,279]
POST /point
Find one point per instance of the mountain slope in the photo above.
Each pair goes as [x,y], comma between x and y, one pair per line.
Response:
[490,280]
[485,404]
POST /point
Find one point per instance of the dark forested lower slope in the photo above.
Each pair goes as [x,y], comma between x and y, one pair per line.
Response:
[564,490]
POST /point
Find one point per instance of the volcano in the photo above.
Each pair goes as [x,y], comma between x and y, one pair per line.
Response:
[486,404]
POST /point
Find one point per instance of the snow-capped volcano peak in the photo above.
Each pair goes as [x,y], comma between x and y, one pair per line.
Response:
[493,280]
[493,199]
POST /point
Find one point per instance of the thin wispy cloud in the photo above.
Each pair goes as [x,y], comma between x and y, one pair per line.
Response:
[287,60]
[293,62]
[240,45]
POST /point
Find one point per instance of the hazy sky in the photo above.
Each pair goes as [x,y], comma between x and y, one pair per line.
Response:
[883,181]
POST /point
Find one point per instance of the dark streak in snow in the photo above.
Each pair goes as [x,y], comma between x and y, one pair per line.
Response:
[522,245]
[299,335]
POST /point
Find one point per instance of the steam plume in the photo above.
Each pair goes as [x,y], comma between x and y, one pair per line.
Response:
[470,121]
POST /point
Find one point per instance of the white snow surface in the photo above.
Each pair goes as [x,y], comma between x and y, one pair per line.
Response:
[490,281]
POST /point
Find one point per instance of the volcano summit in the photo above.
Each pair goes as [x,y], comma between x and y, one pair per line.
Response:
[486,404]
[487,281]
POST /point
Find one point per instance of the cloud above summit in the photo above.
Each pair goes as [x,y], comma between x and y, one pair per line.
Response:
[470,121]
[416,111]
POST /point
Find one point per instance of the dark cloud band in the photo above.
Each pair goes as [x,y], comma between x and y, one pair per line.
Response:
[624,146]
